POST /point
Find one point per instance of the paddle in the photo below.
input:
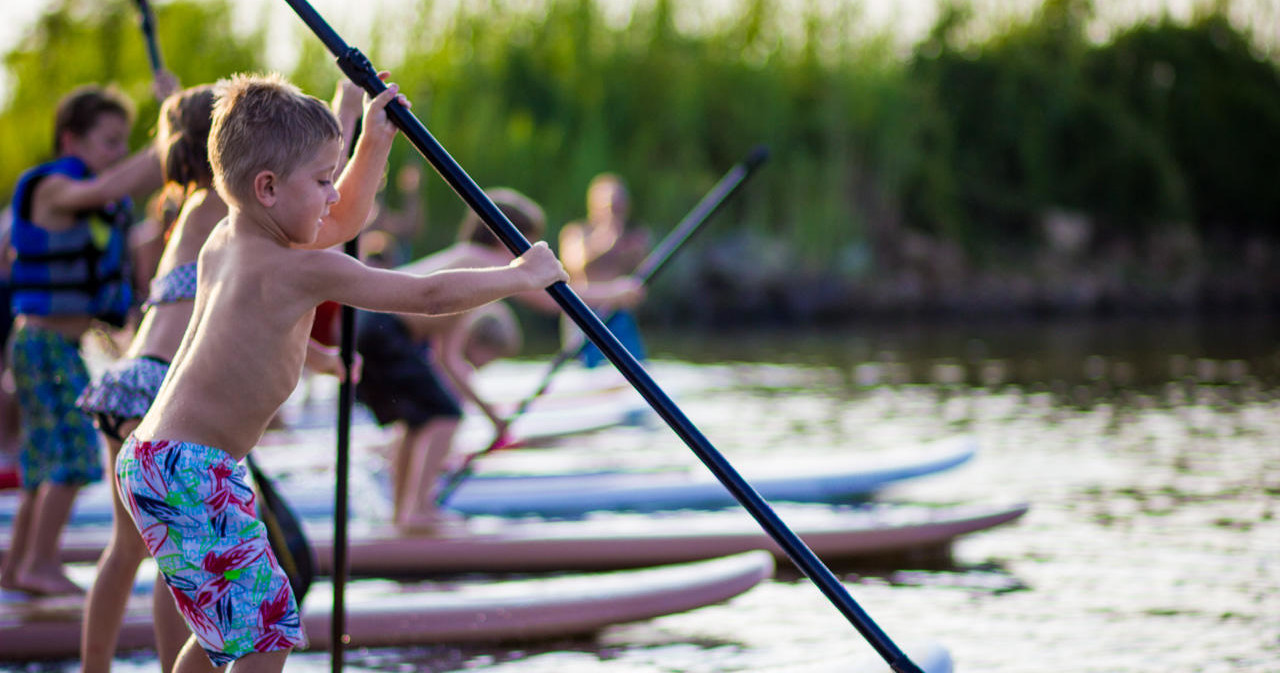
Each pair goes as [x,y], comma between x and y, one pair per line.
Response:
[284,531]
[147,21]
[357,67]
[645,271]
[346,399]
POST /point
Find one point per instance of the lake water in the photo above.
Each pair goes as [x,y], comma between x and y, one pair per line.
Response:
[1149,452]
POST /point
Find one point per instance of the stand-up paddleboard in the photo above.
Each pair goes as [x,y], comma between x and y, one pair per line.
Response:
[309,491]
[384,613]
[543,425]
[571,495]
[612,541]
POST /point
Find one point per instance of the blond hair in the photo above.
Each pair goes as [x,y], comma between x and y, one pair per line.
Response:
[263,122]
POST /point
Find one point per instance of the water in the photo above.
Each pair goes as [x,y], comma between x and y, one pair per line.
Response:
[1148,454]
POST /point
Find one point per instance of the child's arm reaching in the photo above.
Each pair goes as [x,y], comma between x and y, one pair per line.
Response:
[343,279]
[323,359]
[359,182]
[58,194]
[453,359]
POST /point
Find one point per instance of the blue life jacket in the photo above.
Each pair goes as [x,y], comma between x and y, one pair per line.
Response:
[83,270]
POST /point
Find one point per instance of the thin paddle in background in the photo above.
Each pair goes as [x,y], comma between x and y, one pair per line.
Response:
[645,271]
[357,67]
[284,531]
[147,21]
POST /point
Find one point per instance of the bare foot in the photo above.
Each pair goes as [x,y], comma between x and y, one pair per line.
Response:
[9,583]
[434,523]
[49,584]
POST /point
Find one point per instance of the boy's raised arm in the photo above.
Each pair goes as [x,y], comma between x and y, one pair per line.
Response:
[358,185]
[347,106]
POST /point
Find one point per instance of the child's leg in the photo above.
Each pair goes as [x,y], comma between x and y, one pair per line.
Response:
[109,595]
[105,605]
[428,454]
[406,438]
[260,662]
[42,571]
[192,659]
[20,545]
[60,449]
[171,631]
[9,424]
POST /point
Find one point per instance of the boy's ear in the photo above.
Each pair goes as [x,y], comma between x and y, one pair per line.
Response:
[264,188]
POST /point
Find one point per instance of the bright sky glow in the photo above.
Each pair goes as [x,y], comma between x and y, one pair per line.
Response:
[908,19]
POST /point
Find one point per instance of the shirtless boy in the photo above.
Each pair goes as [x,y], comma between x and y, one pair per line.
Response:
[262,272]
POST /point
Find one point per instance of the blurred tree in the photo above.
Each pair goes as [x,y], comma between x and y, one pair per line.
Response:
[970,139]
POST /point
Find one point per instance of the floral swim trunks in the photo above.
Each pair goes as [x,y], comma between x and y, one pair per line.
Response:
[196,515]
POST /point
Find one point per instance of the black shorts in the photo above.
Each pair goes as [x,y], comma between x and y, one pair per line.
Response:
[398,382]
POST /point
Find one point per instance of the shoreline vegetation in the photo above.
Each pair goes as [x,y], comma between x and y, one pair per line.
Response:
[1032,168]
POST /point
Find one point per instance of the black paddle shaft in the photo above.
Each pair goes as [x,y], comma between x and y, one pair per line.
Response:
[147,20]
[655,260]
[358,68]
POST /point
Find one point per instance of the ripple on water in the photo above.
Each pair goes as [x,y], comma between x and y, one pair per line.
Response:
[1152,544]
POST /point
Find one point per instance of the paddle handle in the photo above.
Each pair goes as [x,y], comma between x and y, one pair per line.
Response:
[357,67]
[147,21]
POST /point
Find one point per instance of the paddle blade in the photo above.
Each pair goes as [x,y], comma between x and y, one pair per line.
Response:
[284,531]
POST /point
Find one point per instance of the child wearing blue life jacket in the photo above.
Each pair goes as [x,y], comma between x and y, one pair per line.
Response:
[69,233]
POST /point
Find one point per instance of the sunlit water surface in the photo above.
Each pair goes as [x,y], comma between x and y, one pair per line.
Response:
[1149,455]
